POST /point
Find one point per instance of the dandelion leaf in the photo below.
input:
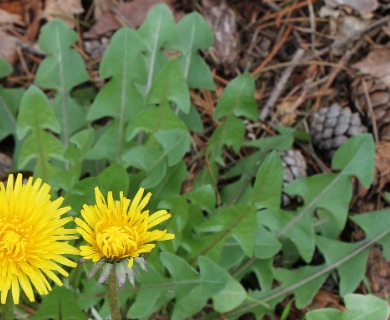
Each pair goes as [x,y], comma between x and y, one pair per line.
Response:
[151,295]
[334,251]
[376,226]
[54,72]
[170,87]
[57,38]
[305,292]
[355,154]
[230,297]
[203,196]
[175,143]
[5,69]
[322,192]
[153,120]
[159,32]
[60,304]
[228,133]
[358,307]
[150,160]
[9,103]
[119,98]
[238,99]
[34,120]
[266,192]
[195,34]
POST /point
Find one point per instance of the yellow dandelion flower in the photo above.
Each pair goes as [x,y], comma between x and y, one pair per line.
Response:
[31,238]
[118,231]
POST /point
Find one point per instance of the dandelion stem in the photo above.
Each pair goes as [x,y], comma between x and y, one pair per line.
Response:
[8,308]
[113,296]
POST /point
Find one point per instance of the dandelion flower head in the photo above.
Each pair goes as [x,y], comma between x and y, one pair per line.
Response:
[33,238]
[120,230]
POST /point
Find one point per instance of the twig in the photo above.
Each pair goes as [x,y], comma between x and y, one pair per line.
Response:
[280,86]
[288,10]
[282,12]
[273,6]
[299,56]
[349,39]
[370,111]
[311,56]
[23,63]
[312,25]
[335,71]
[273,52]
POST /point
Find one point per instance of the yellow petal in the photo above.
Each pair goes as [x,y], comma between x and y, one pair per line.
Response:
[33,238]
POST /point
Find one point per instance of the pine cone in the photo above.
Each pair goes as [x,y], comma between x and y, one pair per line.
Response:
[223,20]
[379,98]
[332,126]
[294,167]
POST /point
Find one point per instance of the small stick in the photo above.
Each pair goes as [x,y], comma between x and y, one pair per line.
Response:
[312,25]
[371,111]
[332,75]
[280,85]
[273,52]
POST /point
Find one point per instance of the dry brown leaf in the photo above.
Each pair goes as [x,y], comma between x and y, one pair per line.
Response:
[9,18]
[343,26]
[326,299]
[130,14]
[16,7]
[7,47]
[64,9]
[348,26]
[223,21]
[362,6]
[378,273]
[101,7]
[286,112]
[376,64]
